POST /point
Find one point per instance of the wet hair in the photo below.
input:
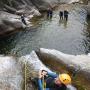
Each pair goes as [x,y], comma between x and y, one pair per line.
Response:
[44,71]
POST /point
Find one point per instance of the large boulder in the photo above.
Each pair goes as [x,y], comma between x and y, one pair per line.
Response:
[32,65]
[18,73]
[9,22]
[81,62]
[12,71]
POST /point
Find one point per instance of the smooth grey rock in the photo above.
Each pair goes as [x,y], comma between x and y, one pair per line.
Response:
[9,22]
[16,72]
[33,65]
[11,77]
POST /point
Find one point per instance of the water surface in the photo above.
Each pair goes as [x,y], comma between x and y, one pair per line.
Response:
[72,37]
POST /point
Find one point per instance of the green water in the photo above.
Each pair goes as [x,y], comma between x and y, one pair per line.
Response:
[72,37]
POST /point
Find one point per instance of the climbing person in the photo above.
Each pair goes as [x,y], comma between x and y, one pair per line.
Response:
[61,15]
[52,81]
[23,19]
[66,15]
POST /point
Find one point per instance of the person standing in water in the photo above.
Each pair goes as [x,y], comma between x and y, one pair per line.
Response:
[49,13]
[23,19]
[61,15]
[66,15]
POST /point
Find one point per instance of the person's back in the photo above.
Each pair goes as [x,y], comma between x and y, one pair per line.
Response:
[66,15]
[66,12]
[52,86]
[61,13]
[51,82]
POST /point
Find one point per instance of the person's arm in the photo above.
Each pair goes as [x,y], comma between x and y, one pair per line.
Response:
[40,84]
[52,74]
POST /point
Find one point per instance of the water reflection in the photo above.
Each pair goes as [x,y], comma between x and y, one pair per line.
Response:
[64,23]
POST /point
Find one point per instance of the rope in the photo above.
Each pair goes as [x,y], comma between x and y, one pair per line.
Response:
[44,84]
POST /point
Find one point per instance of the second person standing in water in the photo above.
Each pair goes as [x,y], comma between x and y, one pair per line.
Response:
[66,15]
[49,13]
[63,15]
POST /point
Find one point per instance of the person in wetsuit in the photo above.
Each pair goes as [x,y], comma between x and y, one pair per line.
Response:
[61,15]
[52,81]
[66,15]
[49,13]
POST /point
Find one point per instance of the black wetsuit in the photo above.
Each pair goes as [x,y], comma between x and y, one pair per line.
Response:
[61,14]
[50,84]
[66,15]
[49,13]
